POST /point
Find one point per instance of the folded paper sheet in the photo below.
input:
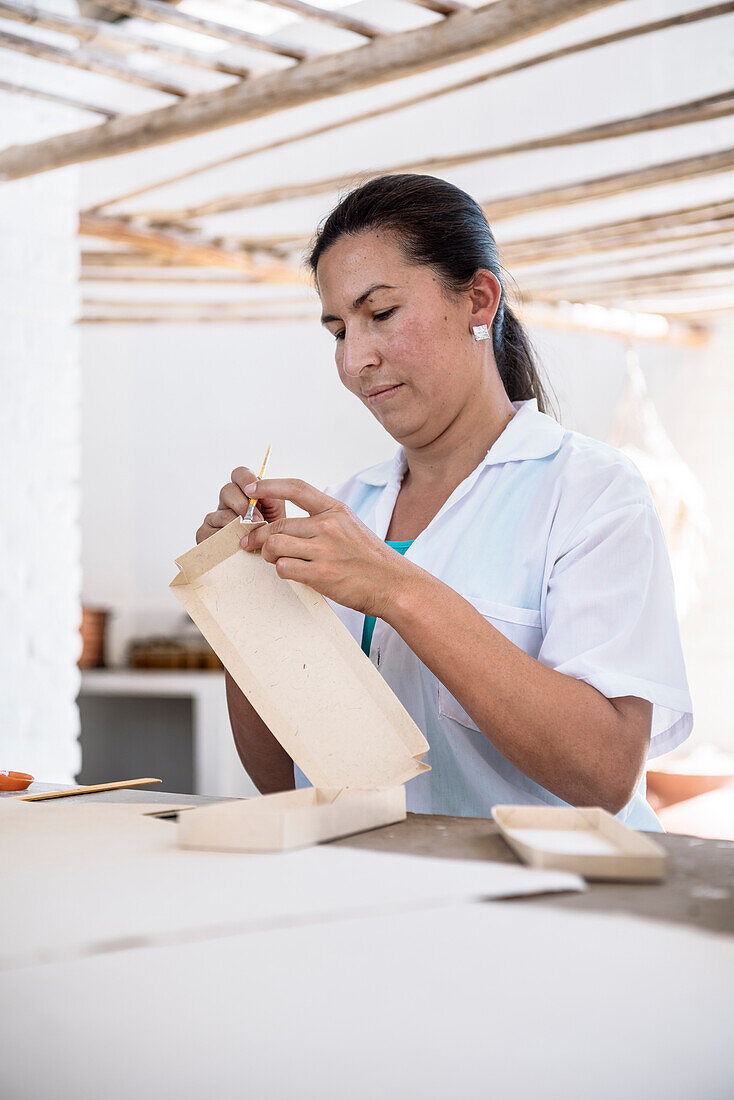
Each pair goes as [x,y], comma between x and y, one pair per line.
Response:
[309,681]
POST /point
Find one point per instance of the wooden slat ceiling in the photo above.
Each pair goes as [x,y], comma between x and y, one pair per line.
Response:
[195,232]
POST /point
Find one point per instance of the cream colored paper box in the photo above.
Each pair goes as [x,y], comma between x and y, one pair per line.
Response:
[299,666]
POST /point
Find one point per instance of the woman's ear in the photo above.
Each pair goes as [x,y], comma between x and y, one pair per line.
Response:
[485,294]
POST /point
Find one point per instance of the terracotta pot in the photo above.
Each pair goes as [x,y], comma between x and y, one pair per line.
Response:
[93,627]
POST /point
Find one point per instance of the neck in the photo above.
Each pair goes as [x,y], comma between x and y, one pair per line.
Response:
[450,457]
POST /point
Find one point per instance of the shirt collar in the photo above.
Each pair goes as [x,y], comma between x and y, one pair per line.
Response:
[530,434]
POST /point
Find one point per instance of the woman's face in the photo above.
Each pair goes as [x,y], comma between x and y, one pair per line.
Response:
[403,345]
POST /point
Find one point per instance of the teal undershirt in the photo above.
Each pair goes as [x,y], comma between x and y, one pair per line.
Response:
[369,620]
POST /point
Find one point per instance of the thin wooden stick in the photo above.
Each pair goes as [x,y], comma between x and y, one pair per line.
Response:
[158,12]
[552,315]
[200,316]
[412,101]
[716,106]
[631,232]
[109,37]
[79,59]
[200,252]
[618,183]
[86,790]
[464,35]
[632,286]
[585,264]
[441,7]
[337,18]
[54,97]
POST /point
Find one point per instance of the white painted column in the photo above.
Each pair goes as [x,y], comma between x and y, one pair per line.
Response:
[40,382]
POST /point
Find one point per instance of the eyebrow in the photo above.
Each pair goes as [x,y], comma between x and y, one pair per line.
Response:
[326,317]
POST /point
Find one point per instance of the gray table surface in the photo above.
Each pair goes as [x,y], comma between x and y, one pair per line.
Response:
[698,890]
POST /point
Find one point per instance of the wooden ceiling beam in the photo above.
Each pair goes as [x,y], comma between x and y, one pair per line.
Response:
[441,7]
[184,248]
[720,105]
[54,97]
[602,187]
[692,276]
[110,37]
[412,101]
[465,34]
[80,59]
[681,224]
[159,12]
[333,17]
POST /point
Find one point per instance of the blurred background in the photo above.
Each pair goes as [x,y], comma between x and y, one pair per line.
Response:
[159,328]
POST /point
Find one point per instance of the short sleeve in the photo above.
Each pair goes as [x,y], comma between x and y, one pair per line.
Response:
[610,616]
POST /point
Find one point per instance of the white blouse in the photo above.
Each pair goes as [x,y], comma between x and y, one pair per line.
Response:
[555,540]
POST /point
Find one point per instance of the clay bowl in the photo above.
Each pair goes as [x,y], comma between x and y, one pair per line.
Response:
[15,781]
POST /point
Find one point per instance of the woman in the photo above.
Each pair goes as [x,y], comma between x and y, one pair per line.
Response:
[508,578]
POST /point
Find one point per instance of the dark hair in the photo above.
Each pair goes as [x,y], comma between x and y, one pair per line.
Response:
[439,225]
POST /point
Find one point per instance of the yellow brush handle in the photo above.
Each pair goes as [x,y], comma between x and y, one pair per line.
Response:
[253,500]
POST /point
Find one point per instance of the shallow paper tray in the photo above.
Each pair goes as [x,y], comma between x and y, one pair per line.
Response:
[588,841]
[290,819]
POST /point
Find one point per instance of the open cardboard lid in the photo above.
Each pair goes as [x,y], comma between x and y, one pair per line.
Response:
[299,666]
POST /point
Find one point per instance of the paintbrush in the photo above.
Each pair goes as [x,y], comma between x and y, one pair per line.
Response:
[86,790]
[250,514]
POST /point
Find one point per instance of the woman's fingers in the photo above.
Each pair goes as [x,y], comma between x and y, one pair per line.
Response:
[270,510]
[287,546]
[214,522]
[233,498]
[300,493]
[241,476]
[302,527]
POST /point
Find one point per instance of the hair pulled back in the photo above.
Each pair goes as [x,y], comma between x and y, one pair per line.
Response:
[439,225]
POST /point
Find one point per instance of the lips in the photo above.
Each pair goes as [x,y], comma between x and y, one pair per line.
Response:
[382,394]
[380,389]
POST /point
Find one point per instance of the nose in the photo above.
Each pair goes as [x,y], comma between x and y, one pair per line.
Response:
[358,351]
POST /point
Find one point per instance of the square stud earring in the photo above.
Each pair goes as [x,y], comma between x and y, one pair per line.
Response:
[481,332]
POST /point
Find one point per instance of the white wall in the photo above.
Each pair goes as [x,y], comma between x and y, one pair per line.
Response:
[40,573]
[170,409]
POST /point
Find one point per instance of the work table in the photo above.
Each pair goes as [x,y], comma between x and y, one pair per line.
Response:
[625,987]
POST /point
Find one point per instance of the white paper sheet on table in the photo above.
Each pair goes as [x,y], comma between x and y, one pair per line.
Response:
[469,1001]
[94,877]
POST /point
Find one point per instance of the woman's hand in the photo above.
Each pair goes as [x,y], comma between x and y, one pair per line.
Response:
[329,550]
[234,501]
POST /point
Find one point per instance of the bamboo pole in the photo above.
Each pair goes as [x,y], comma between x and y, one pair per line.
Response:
[716,106]
[465,34]
[54,97]
[412,101]
[110,37]
[79,59]
[617,183]
[198,252]
[159,12]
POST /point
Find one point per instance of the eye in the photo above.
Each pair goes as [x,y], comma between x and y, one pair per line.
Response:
[383,316]
[339,335]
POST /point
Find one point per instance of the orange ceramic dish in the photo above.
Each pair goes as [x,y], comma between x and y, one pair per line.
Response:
[15,781]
